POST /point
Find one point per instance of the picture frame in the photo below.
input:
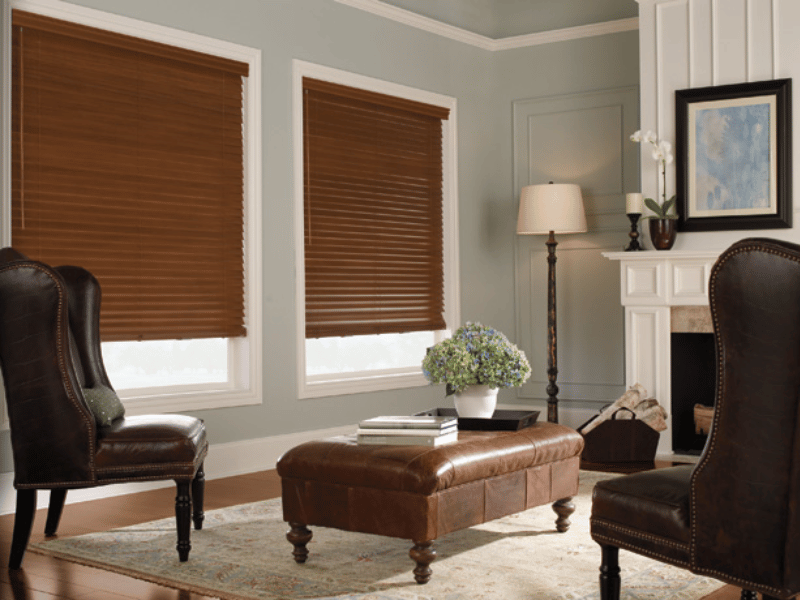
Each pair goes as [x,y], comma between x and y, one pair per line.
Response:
[734,156]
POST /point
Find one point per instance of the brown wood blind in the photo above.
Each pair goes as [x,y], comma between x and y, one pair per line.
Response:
[127,160]
[373,212]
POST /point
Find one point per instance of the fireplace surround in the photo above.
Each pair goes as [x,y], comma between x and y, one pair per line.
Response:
[654,289]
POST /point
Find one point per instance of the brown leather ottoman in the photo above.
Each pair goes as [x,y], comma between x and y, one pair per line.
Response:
[422,493]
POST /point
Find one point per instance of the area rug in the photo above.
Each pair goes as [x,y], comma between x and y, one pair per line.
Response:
[242,554]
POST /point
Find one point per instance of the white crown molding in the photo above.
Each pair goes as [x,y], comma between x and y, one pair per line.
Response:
[569,33]
[407,17]
[458,34]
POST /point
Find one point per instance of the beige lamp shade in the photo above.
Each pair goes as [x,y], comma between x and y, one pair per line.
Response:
[556,207]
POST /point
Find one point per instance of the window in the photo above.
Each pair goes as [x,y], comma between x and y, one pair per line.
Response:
[139,160]
[375,210]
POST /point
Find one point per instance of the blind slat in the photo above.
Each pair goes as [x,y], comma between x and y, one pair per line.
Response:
[373,213]
[353,95]
[82,32]
[127,160]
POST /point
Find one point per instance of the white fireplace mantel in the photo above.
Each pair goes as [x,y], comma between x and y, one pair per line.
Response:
[651,282]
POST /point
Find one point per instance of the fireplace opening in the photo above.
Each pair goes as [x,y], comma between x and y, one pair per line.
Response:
[693,382]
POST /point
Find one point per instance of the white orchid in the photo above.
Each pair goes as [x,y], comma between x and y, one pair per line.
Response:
[662,153]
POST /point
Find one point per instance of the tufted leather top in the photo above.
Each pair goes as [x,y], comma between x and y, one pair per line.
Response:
[423,470]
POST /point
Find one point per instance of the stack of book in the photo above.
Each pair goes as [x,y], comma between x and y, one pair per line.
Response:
[408,430]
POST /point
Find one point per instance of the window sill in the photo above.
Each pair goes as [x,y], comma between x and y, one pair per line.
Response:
[138,403]
[341,384]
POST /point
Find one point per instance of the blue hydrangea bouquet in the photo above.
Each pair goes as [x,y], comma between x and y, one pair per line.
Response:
[476,355]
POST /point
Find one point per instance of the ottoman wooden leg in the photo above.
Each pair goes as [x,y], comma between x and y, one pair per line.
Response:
[564,508]
[299,535]
[423,555]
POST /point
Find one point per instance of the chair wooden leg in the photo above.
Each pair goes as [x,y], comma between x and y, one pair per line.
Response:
[766,597]
[21,588]
[57,498]
[23,523]
[183,514]
[609,573]
[198,491]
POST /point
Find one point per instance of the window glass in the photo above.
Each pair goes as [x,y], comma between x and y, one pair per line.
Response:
[366,352]
[156,363]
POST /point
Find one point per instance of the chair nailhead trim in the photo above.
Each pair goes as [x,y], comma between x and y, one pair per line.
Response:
[638,534]
[637,550]
[720,394]
[62,359]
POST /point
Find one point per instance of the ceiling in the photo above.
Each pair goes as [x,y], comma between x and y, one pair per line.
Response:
[505,18]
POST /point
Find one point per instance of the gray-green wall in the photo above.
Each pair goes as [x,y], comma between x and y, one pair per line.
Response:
[485,84]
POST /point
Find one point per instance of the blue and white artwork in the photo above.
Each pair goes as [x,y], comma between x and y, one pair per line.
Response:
[732,160]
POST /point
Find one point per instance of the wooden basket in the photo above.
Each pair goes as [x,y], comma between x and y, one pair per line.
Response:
[703,415]
[619,440]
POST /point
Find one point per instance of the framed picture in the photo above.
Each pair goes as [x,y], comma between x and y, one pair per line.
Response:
[733,148]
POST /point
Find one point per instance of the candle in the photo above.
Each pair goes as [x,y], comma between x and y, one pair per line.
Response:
[634,204]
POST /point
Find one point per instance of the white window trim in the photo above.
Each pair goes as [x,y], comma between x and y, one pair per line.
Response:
[351,383]
[246,388]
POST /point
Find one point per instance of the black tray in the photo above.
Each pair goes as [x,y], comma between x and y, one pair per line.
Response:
[501,420]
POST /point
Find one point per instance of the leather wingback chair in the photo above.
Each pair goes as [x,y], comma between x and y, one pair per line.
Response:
[734,516]
[49,353]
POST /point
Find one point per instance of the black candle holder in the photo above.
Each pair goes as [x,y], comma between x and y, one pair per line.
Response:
[634,233]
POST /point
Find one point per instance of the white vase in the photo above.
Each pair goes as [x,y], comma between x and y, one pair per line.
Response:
[476,402]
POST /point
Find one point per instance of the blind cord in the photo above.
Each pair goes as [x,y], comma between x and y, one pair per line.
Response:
[306,145]
[22,127]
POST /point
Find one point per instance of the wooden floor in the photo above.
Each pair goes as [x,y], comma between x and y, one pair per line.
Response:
[47,578]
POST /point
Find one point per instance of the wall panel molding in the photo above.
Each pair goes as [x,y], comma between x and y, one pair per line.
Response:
[760,33]
[699,43]
[590,350]
[595,152]
[673,71]
[775,38]
[584,139]
[731,41]
[671,52]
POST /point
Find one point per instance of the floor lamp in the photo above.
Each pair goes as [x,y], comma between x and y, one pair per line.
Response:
[550,209]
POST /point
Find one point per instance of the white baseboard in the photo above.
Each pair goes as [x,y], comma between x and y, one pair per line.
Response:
[224,460]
